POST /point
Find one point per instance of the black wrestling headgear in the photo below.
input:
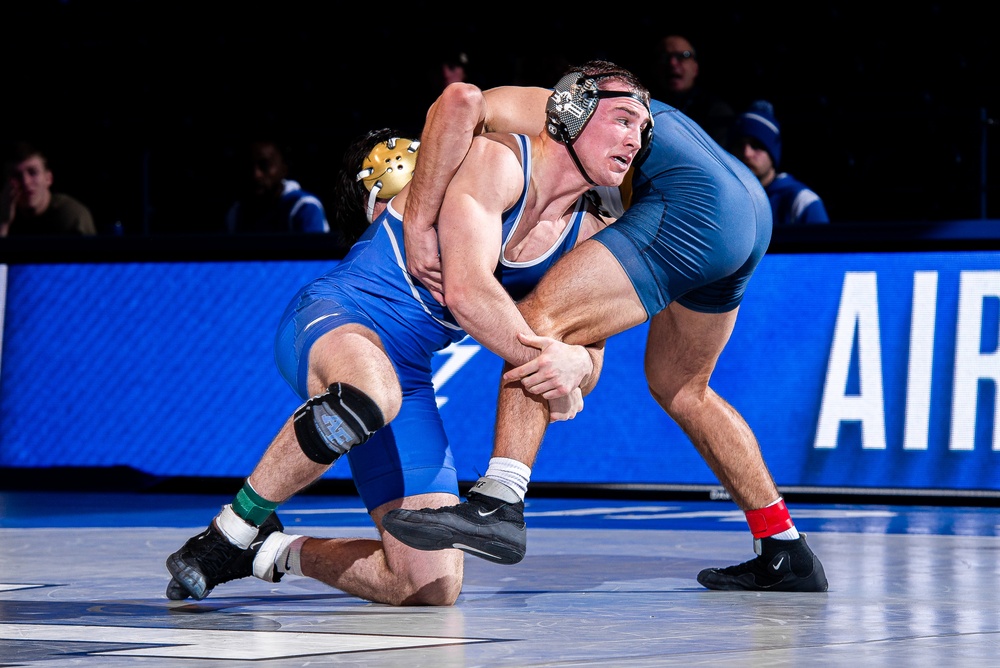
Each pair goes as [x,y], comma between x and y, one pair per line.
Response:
[572,103]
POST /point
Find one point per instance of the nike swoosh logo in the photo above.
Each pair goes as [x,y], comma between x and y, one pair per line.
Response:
[486,514]
[778,565]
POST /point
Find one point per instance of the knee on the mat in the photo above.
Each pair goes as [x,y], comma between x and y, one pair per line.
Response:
[430,578]
[441,591]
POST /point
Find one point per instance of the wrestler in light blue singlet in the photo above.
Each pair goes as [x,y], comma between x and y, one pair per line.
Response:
[371,287]
[698,222]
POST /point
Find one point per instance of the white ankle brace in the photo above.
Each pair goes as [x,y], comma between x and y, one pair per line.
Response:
[239,532]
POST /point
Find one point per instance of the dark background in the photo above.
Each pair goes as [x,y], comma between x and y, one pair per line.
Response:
[142,106]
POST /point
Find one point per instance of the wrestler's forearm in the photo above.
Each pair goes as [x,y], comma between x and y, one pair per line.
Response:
[489,316]
[452,121]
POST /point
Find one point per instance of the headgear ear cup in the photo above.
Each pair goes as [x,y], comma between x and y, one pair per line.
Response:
[570,106]
[647,141]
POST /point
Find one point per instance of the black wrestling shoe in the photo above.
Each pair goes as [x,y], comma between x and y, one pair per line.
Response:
[782,565]
[209,559]
[484,525]
[176,591]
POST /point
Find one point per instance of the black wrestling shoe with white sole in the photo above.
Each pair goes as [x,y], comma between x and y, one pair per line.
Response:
[209,559]
[781,565]
[485,526]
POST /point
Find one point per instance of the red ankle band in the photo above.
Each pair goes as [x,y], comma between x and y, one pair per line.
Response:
[768,521]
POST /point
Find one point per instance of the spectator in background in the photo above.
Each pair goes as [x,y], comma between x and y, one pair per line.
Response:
[387,161]
[29,207]
[757,142]
[440,67]
[454,67]
[273,202]
[675,81]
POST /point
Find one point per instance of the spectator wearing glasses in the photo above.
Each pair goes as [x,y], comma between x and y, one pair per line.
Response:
[757,142]
[675,81]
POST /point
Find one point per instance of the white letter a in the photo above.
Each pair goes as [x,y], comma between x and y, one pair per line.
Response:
[858,311]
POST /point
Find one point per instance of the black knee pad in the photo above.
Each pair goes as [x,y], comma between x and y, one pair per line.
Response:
[328,425]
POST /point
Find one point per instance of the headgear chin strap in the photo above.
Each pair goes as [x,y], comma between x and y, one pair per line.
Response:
[387,169]
[573,102]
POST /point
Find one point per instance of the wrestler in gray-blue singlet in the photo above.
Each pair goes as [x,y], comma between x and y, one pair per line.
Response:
[371,287]
[698,222]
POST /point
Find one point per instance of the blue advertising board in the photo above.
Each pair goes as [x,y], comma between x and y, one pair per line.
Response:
[864,371]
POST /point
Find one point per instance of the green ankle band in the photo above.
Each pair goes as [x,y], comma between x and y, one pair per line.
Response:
[251,506]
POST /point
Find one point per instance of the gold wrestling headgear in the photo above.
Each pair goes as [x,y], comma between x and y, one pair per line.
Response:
[387,168]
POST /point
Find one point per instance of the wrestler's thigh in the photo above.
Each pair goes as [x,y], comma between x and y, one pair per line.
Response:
[351,354]
[683,346]
[585,297]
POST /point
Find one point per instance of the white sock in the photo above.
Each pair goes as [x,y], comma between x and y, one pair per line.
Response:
[281,552]
[290,561]
[510,472]
[787,534]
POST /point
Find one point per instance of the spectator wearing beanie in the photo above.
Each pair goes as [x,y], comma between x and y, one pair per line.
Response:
[757,142]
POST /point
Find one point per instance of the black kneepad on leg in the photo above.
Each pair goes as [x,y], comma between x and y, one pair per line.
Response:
[330,424]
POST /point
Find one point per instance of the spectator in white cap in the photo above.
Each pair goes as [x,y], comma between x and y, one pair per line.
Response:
[757,142]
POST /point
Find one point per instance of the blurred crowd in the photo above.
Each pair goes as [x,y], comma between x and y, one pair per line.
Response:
[148,113]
